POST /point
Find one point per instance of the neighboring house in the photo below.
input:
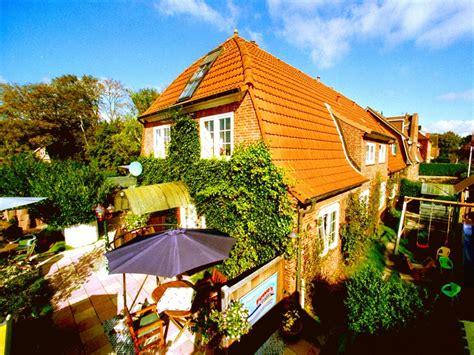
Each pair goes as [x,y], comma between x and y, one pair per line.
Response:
[327,144]
[405,156]
[425,145]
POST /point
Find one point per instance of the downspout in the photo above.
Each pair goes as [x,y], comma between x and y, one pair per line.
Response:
[300,283]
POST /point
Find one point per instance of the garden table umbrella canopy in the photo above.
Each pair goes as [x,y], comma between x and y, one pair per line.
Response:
[170,253]
[13,202]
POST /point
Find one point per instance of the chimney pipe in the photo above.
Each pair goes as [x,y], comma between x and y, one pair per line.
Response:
[318,79]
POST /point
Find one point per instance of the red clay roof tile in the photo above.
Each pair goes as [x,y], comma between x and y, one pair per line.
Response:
[295,122]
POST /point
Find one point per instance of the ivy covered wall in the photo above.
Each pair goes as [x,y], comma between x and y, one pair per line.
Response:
[245,196]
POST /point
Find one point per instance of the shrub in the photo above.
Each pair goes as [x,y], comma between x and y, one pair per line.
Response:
[442,169]
[71,188]
[23,291]
[409,188]
[374,304]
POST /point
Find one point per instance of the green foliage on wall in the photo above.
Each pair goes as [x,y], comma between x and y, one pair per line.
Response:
[355,232]
[441,169]
[374,304]
[244,196]
[71,188]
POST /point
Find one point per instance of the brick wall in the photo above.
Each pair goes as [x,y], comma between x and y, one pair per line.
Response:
[246,127]
[354,142]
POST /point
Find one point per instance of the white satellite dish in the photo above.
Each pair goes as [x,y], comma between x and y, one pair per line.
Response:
[135,168]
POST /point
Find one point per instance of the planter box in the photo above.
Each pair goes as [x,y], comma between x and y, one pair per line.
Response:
[81,235]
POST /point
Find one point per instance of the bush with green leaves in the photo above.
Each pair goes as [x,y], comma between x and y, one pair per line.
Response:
[133,221]
[232,322]
[23,292]
[442,169]
[375,304]
[71,189]
[409,188]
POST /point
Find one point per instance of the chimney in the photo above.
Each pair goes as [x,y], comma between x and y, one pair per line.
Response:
[338,97]
[318,79]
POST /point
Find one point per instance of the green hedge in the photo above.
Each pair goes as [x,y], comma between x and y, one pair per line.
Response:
[409,188]
[442,169]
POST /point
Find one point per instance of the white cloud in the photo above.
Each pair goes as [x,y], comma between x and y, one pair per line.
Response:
[200,10]
[328,28]
[461,127]
[467,95]
[3,80]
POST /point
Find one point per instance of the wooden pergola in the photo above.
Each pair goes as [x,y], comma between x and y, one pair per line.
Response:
[408,199]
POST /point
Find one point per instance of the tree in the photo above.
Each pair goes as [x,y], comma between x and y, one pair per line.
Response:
[143,98]
[449,144]
[60,116]
[116,143]
[114,100]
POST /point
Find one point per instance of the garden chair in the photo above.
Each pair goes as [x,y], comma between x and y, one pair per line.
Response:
[24,244]
[443,251]
[419,271]
[445,263]
[451,290]
[26,254]
[146,329]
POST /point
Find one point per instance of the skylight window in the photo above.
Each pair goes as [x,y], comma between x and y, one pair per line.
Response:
[197,77]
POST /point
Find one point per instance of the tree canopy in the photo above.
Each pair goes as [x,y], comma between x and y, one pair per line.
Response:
[59,116]
[143,98]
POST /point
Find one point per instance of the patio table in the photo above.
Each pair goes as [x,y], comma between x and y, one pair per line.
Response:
[176,300]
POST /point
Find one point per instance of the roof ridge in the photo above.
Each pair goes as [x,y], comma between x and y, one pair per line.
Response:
[246,61]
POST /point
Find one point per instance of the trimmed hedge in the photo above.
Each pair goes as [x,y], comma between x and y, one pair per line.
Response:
[442,169]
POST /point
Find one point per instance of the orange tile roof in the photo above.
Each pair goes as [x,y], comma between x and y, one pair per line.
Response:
[290,105]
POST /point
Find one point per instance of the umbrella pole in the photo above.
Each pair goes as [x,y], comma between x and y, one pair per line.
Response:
[139,290]
[124,291]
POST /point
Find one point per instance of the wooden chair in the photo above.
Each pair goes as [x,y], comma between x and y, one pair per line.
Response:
[419,271]
[146,329]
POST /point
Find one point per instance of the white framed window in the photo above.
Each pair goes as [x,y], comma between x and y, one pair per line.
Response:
[370,153]
[161,140]
[393,147]
[328,227]
[383,188]
[382,153]
[364,197]
[217,135]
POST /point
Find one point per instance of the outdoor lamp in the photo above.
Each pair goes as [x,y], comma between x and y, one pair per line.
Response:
[109,211]
[99,212]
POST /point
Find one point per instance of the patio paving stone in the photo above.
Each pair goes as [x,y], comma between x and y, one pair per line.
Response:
[88,323]
[81,315]
[104,350]
[95,343]
[91,333]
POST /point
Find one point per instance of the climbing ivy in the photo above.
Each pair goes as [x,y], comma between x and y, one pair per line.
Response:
[244,196]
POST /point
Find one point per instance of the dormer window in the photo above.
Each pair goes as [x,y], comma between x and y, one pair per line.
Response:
[370,153]
[199,74]
[393,146]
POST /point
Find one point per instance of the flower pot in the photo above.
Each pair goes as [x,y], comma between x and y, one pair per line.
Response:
[294,332]
[81,235]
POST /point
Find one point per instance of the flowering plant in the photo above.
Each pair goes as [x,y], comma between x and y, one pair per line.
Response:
[289,319]
[232,322]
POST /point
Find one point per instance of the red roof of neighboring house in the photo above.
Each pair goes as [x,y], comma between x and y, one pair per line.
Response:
[291,107]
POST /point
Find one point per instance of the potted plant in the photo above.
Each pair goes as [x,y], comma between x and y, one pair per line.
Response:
[291,325]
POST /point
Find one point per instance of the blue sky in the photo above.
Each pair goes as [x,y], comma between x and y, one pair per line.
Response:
[392,55]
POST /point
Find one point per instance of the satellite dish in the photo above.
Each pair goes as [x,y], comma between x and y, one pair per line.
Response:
[135,168]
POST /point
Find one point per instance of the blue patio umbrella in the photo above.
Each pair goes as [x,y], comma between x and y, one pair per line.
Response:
[170,253]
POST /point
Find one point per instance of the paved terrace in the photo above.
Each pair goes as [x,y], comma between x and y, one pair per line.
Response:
[86,295]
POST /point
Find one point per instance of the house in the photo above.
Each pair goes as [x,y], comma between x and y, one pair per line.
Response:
[405,155]
[327,144]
